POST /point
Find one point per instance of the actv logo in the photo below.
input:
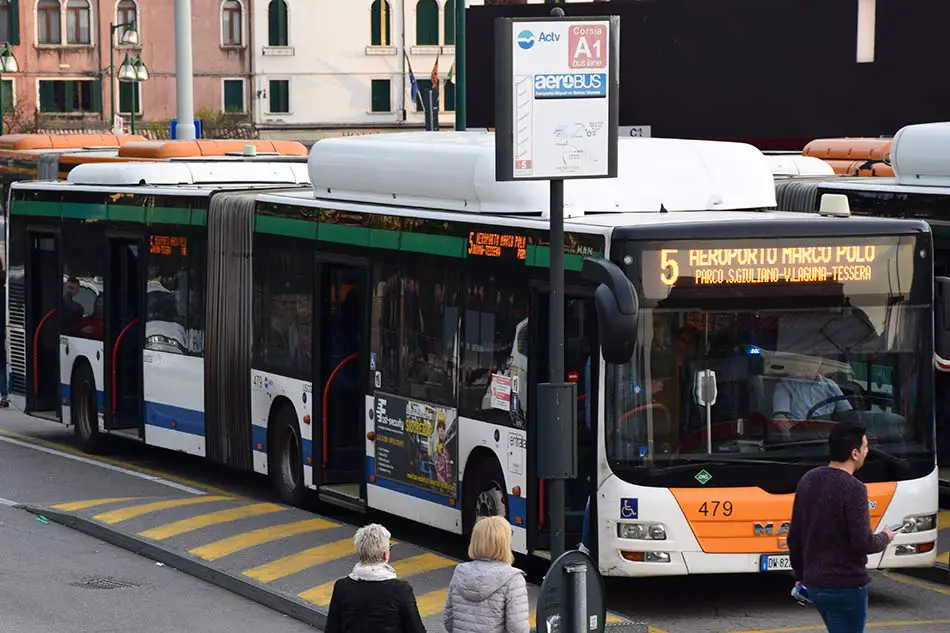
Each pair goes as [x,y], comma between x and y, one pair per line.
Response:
[526,39]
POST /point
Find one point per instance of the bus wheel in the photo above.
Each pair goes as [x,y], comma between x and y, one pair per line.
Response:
[484,495]
[287,459]
[84,411]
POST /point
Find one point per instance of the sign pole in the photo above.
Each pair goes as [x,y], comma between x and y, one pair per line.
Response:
[556,346]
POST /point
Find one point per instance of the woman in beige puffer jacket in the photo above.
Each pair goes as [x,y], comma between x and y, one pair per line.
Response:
[488,595]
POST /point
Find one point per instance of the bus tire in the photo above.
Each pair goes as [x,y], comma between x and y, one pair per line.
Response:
[483,493]
[84,410]
[286,457]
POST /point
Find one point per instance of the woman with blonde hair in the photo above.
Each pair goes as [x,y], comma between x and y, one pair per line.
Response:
[371,599]
[488,595]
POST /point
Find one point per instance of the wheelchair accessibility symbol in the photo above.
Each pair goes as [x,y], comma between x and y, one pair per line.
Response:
[628,509]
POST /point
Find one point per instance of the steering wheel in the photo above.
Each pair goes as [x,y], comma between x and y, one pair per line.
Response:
[833,399]
[643,407]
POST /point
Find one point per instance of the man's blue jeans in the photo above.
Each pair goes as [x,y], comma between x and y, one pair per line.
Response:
[843,610]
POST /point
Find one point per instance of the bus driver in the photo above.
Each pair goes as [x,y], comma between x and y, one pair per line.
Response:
[795,396]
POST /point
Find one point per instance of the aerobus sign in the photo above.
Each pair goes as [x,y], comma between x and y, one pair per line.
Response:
[557,87]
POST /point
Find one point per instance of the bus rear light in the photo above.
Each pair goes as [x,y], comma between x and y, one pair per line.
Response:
[260,446]
[516,491]
[914,548]
[519,521]
[646,557]
[306,419]
[642,531]
[372,479]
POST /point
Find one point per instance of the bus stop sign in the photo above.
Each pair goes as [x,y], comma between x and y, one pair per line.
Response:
[572,596]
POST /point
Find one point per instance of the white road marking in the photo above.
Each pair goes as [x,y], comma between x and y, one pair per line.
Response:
[93,462]
[7,502]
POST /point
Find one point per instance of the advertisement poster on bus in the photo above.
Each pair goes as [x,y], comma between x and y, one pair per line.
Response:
[417,444]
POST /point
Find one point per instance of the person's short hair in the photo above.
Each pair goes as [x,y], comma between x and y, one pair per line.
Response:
[372,543]
[845,437]
[491,540]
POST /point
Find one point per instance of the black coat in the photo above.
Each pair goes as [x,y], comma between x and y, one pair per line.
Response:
[373,606]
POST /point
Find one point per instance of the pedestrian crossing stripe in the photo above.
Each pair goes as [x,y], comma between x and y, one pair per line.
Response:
[212,518]
[130,512]
[246,540]
[301,560]
[91,503]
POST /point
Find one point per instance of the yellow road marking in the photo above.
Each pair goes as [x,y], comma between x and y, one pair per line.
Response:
[91,503]
[238,542]
[413,566]
[115,462]
[870,625]
[212,518]
[611,618]
[123,514]
[432,602]
[302,560]
[650,629]
[923,584]
[944,558]
[943,520]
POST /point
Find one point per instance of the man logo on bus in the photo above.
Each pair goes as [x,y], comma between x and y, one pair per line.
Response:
[526,39]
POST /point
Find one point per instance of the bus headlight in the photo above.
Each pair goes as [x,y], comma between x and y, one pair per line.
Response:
[642,531]
[920,523]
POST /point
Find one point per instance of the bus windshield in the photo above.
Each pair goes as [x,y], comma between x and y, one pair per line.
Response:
[748,354]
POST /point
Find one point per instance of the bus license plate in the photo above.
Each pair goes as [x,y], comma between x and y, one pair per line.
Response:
[775,562]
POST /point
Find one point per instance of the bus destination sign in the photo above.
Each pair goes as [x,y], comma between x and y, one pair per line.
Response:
[789,264]
[167,245]
[501,245]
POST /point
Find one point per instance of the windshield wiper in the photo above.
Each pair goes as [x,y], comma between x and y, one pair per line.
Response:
[872,449]
[703,463]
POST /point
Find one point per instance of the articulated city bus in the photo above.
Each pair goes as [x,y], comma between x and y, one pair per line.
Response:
[918,187]
[380,337]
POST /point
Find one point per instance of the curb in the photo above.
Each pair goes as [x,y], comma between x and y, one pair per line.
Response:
[938,574]
[262,595]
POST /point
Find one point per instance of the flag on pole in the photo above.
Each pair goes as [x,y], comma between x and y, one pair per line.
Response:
[451,76]
[413,84]
[434,77]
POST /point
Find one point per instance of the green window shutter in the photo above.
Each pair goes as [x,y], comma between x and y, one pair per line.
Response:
[14,22]
[380,24]
[48,96]
[448,96]
[448,22]
[233,95]
[279,96]
[277,23]
[96,102]
[7,102]
[427,23]
[381,95]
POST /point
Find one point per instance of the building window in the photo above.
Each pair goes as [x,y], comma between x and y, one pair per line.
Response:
[448,23]
[277,23]
[427,23]
[130,94]
[125,13]
[47,22]
[279,96]
[5,21]
[231,21]
[7,101]
[77,22]
[448,96]
[69,96]
[234,95]
[422,102]
[381,96]
[379,23]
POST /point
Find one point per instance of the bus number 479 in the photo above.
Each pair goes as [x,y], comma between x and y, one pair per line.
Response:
[717,508]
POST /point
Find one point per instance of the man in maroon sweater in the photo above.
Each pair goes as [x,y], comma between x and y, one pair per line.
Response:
[830,536]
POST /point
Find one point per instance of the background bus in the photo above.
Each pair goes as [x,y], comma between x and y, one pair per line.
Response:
[373,338]
[918,159]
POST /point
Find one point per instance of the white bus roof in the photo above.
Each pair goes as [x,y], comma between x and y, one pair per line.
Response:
[185,173]
[455,171]
[784,165]
[920,155]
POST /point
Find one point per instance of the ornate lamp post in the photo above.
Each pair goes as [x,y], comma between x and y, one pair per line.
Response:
[130,37]
[8,64]
[134,72]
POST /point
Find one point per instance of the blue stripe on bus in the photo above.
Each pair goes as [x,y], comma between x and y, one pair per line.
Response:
[67,396]
[308,451]
[406,489]
[259,442]
[186,420]
[517,507]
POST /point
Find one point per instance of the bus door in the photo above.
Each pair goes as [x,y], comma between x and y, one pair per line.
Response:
[44,291]
[124,333]
[580,344]
[340,342]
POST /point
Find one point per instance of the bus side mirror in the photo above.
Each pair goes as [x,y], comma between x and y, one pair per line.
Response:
[618,308]
[942,323]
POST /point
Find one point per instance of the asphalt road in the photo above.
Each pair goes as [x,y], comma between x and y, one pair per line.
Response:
[43,566]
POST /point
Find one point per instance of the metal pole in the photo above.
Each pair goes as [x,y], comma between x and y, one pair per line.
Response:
[578,597]
[1,116]
[135,94]
[556,349]
[111,75]
[460,64]
[184,73]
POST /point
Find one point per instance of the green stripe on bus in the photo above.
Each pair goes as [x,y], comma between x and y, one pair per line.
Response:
[384,238]
[540,256]
[168,215]
[31,207]
[84,210]
[446,245]
[304,229]
[126,213]
[353,235]
[199,217]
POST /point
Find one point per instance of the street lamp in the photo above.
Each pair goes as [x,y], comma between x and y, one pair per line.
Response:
[130,37]
[8,64]
[133,71]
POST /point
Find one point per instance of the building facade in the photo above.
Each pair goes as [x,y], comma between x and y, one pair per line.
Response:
[63,51]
